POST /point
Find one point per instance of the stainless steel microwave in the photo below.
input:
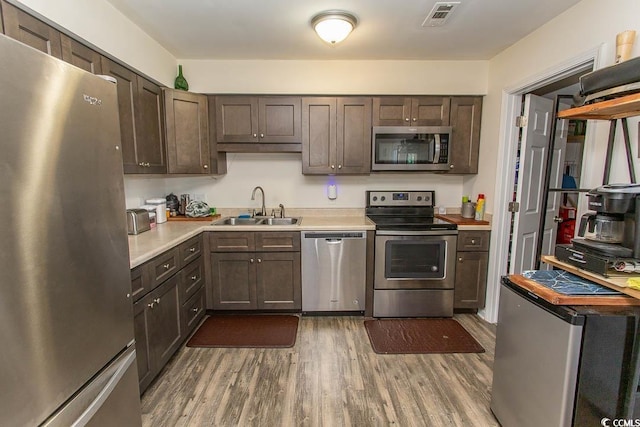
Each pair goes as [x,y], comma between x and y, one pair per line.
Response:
[405,148]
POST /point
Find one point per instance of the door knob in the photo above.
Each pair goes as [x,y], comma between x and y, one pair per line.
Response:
[557,219]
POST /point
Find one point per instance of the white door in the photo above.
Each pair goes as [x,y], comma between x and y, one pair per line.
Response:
[534,144]
[555,198]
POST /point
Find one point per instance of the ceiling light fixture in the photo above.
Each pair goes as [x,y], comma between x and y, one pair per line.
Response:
[333,26]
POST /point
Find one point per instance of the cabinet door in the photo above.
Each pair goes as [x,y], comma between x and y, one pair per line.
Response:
[471,240]
[278,281]
[23,27]
[150,145]
[127,88]
[353,135]
[466,115]
[279,120]
[319,150]
[165,328]
[430,111]
[237,119]
[139,282]
[187,132]
[141,332]
[81,56]
[233,285]
[164,266]
[218,160]
[190,250]
[391,111]
[471,279]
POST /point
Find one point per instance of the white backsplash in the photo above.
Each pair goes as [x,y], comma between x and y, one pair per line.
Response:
[280,175]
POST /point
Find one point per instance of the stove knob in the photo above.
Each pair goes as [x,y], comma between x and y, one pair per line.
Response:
[383,198]
[375,198]
[419,198]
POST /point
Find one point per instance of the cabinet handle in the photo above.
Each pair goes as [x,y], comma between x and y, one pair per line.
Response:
[450,166]
[192,250]
[415,120]
[333,166]
[150,305]
[262,135]
[128,295]
[339,166]
[251,260]
[194,277]
[166,266]
[259,260]
[460,259]
[473,241]
[156,300]
[406,119]
[205,166]
[195,310]
[255,135]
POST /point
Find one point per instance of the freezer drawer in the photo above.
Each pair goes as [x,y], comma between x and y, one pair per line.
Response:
[111,399]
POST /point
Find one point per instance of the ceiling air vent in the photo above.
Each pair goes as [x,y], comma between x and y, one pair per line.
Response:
[440,13]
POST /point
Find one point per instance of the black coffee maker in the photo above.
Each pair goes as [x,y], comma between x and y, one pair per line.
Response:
[607,236]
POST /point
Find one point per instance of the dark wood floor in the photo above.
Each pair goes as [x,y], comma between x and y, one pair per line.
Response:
[331,377]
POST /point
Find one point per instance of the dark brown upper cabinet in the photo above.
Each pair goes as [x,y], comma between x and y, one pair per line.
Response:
[80,55]
[141,131]
[187,132]
[466,115]
[250,123]
[336,135]
[31,31]
[411,111]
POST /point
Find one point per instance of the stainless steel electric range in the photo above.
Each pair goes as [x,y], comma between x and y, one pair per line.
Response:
[414,255]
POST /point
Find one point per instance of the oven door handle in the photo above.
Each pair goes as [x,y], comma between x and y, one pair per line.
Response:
[433,232]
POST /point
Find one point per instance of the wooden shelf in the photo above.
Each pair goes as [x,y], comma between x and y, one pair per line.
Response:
[618,108]
[618,282]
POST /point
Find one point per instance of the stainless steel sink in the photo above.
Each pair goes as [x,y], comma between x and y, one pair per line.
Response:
[257,221]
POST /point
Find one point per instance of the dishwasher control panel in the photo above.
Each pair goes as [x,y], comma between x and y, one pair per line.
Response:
[400,198]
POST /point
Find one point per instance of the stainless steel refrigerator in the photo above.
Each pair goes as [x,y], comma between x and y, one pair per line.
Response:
[68,353]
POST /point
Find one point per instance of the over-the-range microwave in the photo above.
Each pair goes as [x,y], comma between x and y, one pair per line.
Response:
[405,148]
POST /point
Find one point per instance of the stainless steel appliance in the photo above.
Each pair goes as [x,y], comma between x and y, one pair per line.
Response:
[414,271]
[333,270]
[67,323]
[563,366]
[403,148]
[607,235]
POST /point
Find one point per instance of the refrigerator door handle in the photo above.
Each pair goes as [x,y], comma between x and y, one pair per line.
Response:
[108,380]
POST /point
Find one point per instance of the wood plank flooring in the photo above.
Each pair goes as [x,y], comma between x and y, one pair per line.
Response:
[331,377]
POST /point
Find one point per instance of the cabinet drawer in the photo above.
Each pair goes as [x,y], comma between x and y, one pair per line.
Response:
[193,311]
[275,241]
[192,279]
[139,283]
[190,250]
[473,240]
[232,241]
[164,266]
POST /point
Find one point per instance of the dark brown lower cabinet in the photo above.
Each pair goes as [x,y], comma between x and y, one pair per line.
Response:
[169,303]
[158,329]
[254,271]
[472,259]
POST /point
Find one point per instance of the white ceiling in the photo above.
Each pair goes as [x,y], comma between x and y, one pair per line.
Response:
[387,29]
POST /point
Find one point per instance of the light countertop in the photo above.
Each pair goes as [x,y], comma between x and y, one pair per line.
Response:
[144,246]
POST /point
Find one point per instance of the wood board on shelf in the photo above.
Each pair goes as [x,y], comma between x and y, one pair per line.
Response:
[618,108]
[619,282]
[460,220]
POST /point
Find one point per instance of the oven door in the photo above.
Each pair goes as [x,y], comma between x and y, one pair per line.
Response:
[415,259]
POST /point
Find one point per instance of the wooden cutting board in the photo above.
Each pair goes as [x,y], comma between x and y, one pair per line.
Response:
[459,220]
[188,218]
[557,298]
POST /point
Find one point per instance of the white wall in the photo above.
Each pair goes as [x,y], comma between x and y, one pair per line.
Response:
[102,25]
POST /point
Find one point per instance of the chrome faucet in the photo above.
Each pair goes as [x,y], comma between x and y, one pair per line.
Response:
[263,212]
[281,206]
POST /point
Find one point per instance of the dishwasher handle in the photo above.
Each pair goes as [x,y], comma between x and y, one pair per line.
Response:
[332,236]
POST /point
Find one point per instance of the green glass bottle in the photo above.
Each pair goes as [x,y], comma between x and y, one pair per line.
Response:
[181,82]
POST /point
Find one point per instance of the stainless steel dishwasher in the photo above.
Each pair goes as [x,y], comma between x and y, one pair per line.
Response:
[333,270]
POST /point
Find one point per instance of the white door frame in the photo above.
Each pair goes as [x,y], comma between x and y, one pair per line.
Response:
[507,152]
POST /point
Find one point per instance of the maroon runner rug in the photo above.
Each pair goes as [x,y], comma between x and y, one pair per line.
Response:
[246,331]
[420,336]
